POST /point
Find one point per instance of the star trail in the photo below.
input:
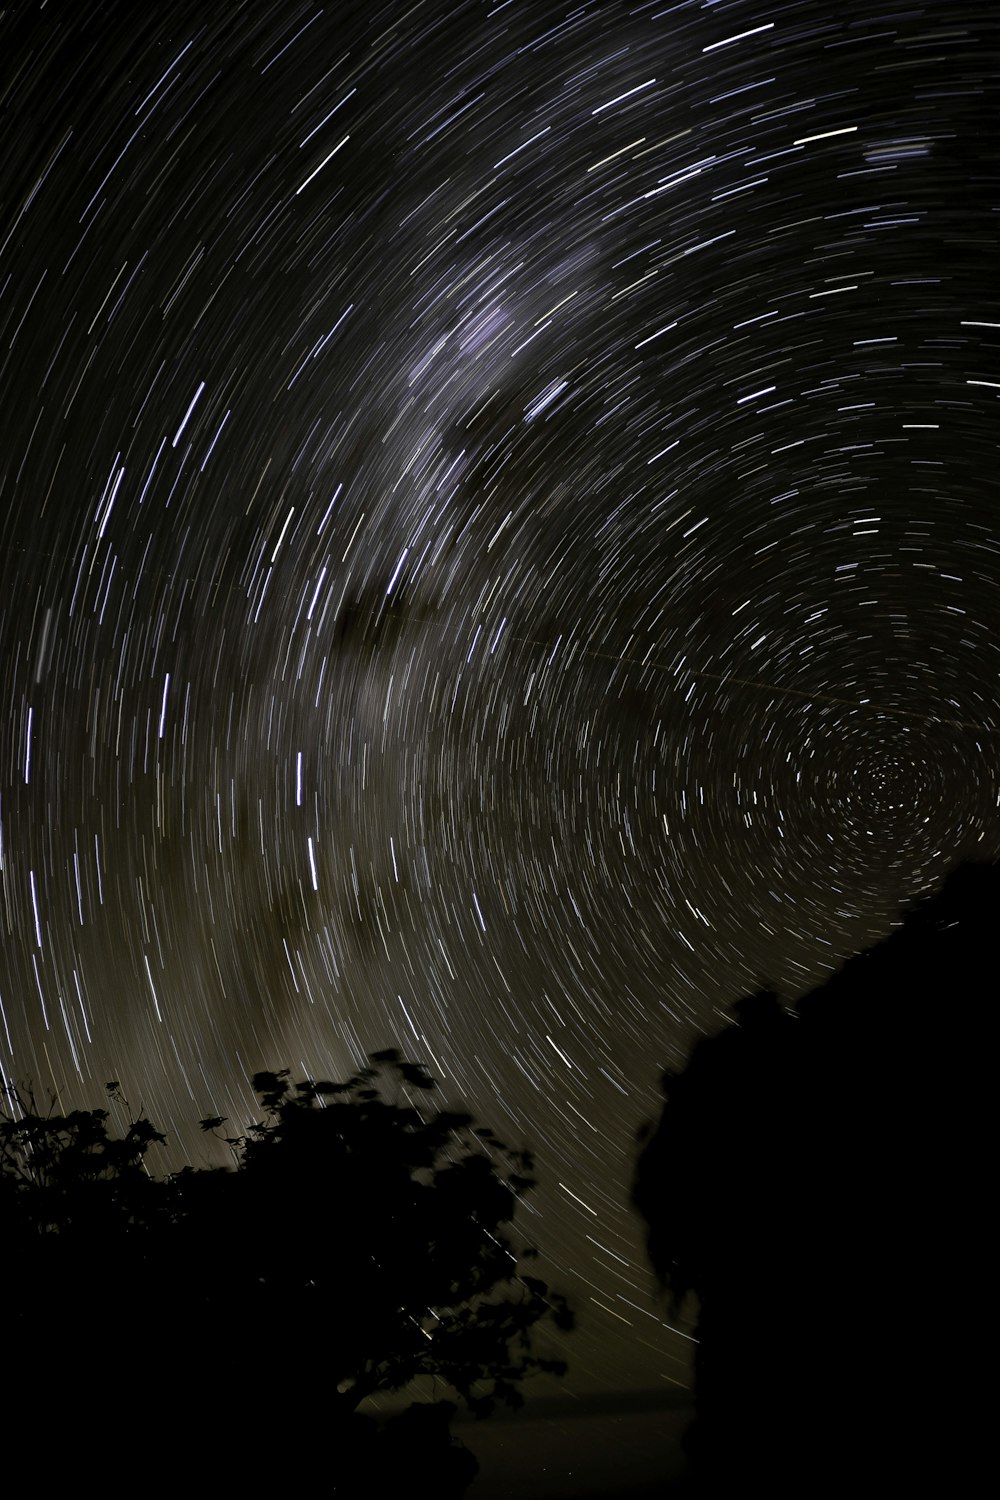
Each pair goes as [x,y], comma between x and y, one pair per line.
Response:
[499,548]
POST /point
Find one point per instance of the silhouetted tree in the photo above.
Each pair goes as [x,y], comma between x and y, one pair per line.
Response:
[813,1180]
[359,1241]
[79,1215]
[386,1228]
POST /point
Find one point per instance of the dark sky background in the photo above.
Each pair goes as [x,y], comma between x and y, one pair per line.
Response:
[500,550]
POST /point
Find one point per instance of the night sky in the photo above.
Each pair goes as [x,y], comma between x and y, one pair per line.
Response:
[500,550]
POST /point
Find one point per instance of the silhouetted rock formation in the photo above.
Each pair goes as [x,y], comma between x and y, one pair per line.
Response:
[818,1179]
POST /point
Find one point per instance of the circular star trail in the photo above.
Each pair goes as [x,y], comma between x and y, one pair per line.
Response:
[499,550]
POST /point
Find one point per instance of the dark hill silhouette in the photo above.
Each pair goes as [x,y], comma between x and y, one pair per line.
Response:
[818,1178]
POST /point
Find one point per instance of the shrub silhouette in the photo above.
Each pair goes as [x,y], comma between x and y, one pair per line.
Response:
[816,1180]
[360,1240]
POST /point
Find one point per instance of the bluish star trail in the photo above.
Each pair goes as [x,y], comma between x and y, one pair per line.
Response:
[500,549]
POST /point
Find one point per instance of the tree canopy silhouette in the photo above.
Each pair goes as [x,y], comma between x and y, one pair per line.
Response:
[386,1223]
[359,1240]
[815,1179]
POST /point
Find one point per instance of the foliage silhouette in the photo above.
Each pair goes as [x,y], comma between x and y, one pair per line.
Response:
[815,1179]
[393,1229]
[360,1240]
